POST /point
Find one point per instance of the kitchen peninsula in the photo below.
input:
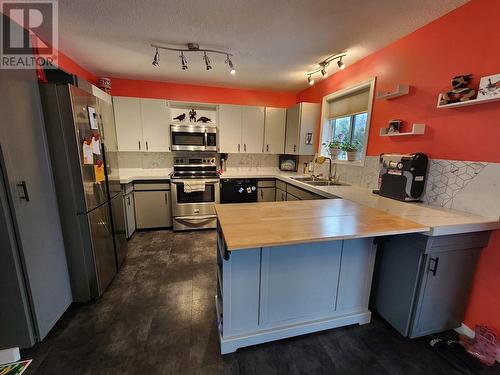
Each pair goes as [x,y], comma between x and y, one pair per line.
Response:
[290,268]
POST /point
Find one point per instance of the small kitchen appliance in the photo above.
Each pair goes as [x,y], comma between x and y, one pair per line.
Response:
[288,163]
[402,176]
[193,137]
[195,191]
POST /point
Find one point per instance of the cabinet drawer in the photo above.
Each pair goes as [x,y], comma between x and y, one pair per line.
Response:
[127,188]
[301,194]
[266,183]
[280,185]
[152,186]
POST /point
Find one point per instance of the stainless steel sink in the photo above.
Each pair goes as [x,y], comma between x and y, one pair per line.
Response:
[318,182]
[326,183]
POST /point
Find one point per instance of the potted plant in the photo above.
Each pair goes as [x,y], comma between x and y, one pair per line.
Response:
[351,150]
[333,148]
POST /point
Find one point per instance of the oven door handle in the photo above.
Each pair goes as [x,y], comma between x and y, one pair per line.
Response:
[195,218]
[195,179]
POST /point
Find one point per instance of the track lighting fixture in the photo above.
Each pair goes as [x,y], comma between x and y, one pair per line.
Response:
[341,64]
[183,61]
[207,61]
[193,47]
[156,59]
[231,66]
[324,64]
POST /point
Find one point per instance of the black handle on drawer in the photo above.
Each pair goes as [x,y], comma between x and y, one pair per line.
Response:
[433,265]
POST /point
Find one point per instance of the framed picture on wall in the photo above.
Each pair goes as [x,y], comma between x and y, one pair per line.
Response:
[489,87]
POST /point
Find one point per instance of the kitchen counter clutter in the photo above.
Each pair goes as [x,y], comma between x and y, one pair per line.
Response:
[274,223]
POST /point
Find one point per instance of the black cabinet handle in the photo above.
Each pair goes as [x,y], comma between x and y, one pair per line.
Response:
[147,146]
[25,195]
[433,265]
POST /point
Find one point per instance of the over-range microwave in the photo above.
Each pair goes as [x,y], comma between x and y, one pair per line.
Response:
[193,137]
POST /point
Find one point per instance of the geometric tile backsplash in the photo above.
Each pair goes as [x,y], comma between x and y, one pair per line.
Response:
[446,178]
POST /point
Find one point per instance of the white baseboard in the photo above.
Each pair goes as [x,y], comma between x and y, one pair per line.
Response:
[467,331]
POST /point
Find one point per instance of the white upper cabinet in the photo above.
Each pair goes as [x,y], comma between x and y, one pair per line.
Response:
[155,124]
[252,129]
[241,129]
[301,121]
[128,124]
[274,130]
[142,124]
[229,131]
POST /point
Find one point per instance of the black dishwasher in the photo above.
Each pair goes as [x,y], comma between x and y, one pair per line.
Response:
[238,190]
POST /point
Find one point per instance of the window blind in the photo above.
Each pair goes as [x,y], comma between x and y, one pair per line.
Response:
[349,104]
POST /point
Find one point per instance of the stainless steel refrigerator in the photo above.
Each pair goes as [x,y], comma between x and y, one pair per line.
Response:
[75,133]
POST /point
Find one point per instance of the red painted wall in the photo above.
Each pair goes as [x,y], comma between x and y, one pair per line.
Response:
[195,93]
[460,42]
[463,41]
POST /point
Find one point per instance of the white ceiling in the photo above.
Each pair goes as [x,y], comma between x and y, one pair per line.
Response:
[274,42]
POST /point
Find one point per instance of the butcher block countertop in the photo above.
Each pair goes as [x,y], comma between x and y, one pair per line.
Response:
[266,224]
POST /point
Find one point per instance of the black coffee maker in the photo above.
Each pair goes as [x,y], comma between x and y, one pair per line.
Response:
[402,176]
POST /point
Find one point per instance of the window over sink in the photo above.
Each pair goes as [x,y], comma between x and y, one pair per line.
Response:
[346,122]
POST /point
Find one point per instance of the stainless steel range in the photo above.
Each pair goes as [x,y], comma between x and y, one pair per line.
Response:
[195,191]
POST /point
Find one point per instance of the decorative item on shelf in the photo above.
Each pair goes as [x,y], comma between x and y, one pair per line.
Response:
[351,149]
[193,48]
[461,92]
[333,148]
[180,117]
[400,91]
[417,129]
[104,84]
[394,126]
[324,64]
[192,115]
[489,87]
[204,119]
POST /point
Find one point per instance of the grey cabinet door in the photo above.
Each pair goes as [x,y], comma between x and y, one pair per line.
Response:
[292,130]
[266,195]
[290,197]
[153,209]
[445,286]
[280,195]
[37,221]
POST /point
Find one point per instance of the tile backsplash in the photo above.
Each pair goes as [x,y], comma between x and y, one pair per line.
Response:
[145,160]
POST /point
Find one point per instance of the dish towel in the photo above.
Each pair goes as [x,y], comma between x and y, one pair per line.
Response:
[193,186]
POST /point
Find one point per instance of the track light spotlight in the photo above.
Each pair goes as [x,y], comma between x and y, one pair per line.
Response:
[341,64]
[324,73]
[183,61]
[207,61]
[231,66]
[156,59]
[310,80]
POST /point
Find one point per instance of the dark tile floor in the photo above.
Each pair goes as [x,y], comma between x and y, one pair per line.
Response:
[158,317]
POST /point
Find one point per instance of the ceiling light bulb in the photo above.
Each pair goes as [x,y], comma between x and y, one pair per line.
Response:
[207,61]
[230,63]
[183,61]
[310,80]
[341,64]
[156,59]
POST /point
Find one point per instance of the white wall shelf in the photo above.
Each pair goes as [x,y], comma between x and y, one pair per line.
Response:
[400,91]
[466,103]
[418,129]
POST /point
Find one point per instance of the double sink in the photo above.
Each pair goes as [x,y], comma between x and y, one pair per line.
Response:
[318,182]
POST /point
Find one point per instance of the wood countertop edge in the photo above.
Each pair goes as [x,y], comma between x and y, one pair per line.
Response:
[232,247]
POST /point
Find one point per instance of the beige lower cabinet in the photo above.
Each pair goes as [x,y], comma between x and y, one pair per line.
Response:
[266,194]
[280,195]
[290,197]
[153,209]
